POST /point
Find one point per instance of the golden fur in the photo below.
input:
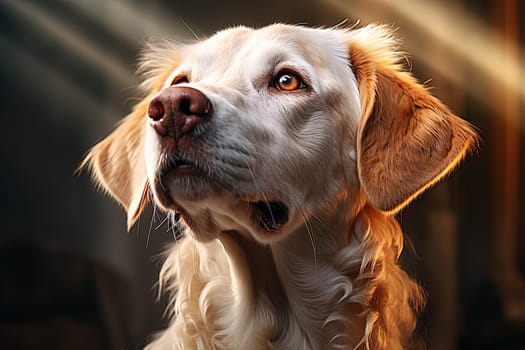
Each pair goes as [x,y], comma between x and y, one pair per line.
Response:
[329,279]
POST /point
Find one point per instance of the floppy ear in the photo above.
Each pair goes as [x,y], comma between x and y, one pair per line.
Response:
[117,163]
[118,166]
[407,139]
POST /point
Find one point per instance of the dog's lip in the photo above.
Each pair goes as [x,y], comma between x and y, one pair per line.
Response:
[179,164]
[269,215]
[173,168]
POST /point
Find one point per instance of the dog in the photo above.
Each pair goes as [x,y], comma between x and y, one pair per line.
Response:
[282,153]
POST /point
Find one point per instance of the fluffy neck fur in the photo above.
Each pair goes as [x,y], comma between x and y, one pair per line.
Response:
[346,293]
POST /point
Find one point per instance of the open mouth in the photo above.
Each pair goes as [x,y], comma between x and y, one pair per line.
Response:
[271,216]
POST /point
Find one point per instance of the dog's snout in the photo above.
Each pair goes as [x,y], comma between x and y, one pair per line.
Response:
[177,110]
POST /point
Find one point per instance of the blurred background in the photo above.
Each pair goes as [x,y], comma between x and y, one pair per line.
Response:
[71,277]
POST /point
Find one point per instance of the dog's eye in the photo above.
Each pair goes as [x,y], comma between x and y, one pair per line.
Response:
[287,81]
[180,79]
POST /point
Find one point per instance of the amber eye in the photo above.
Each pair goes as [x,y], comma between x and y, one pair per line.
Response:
[287,81]
[180,79]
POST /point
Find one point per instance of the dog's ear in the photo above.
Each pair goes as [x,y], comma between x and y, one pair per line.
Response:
[407,139]
[118,166]
[117,163]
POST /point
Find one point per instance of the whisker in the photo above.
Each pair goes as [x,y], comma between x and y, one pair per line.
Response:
[174,224]
[308,227]
[190,29]
[153,215]
[322,226]
[162,222]
[175,228]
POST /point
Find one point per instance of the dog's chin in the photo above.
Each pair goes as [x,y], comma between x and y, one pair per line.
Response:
[181,181]
[184,190]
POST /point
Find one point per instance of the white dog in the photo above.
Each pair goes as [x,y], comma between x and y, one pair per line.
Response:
[284,151]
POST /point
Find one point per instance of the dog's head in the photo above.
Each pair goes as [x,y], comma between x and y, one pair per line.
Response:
[257,130]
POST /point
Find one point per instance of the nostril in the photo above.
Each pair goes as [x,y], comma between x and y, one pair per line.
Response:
[185,106]
[156,110]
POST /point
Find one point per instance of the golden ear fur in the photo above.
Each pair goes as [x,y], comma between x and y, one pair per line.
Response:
[117,163]
[407,139]
[118,166]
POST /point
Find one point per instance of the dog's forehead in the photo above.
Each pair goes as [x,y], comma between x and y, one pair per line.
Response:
[242,45]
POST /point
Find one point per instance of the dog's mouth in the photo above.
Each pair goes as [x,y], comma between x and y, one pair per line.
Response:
[270,216]
[194,183]
[179,165]
[179,177]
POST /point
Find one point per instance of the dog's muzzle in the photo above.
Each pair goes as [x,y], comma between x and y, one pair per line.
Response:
[175,113]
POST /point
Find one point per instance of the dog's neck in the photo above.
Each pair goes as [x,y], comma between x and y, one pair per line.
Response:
[298,277]
[332,283]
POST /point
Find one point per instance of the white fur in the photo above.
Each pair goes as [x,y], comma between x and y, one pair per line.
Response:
[343,152]
[307,287]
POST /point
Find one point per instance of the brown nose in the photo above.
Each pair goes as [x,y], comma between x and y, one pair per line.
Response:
[177,110]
